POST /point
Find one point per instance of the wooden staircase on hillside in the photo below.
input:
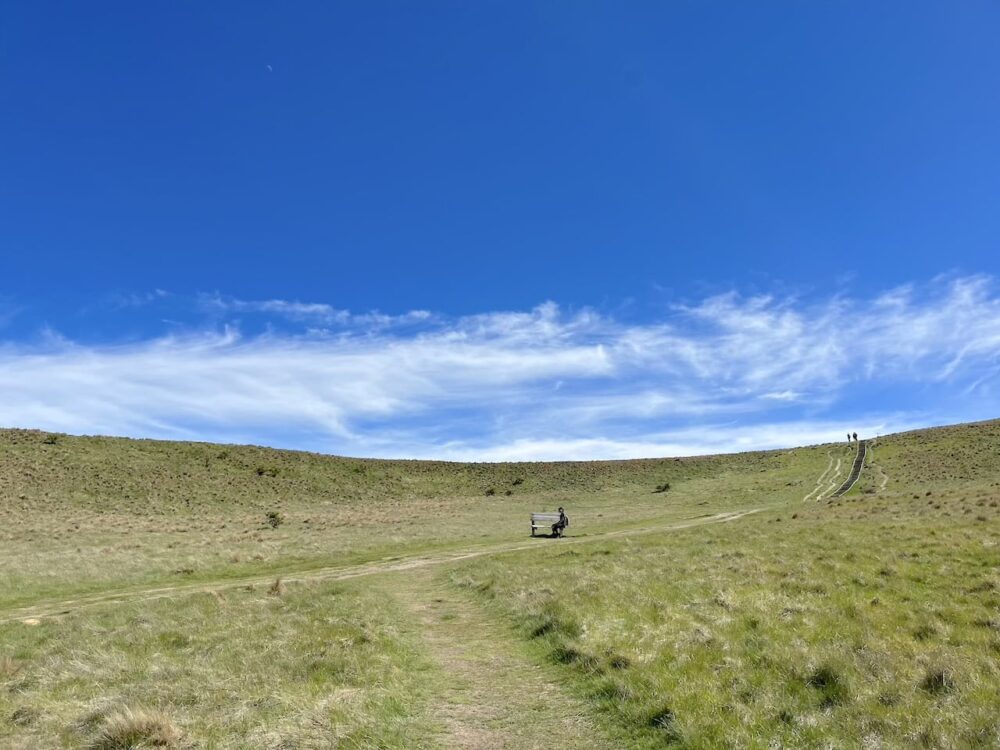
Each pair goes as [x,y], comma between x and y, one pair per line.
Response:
[859,464]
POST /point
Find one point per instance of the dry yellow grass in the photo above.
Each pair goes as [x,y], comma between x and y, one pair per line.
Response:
[136,729]
[841,622]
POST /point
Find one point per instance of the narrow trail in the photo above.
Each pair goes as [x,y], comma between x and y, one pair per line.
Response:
[59,607]
[494,695]
[819,482]
[883,477]
[831,482]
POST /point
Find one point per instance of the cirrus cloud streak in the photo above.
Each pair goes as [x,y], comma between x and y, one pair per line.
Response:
[729,372]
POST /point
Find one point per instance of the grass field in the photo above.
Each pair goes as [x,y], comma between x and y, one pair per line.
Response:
[140,593]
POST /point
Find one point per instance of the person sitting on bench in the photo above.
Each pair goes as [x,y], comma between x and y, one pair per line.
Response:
[562,523]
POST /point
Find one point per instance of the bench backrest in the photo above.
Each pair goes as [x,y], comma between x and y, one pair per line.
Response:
[545,517]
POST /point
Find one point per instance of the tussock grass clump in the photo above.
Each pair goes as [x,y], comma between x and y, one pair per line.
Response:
[617,661]
[550,621]
[277,588]
[9,668]
[614,691]
[664,720]
[24,716]
[136,728]
[925,632]
[827,680]
[938,680]
[563,654]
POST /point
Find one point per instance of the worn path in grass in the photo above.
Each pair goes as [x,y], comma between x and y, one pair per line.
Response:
[54,608]
[492,695]
[822,478]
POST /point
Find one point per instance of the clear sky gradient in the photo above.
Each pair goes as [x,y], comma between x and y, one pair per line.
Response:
[499,230]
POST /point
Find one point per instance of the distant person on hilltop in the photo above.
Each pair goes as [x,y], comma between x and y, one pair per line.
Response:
[562,523]
[855,437]
[848,437]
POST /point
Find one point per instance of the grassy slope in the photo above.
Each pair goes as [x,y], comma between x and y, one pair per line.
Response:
[83,514]
[873,620]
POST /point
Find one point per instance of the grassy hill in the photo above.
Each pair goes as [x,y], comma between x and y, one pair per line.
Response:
[150,476]
[82,513]
[139,589]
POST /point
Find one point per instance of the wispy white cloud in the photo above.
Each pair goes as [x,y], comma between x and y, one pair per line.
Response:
[727,373]
[137,299]
[315,313]
[706,439]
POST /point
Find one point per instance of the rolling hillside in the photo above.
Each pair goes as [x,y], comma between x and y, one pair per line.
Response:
[166,588]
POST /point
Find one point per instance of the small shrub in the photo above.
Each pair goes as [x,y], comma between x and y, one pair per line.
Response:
[517,481]
[566,654]
[938,681]
[828,682]
[490,492]
[665,720]
[50,440]
[617,661]
[128,728]
[277,588]
[274,519]
[662,487]
[615,691]
[266,471]
[550,623]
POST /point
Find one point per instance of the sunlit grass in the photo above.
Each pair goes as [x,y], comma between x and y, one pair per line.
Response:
[873,620]
[319,663]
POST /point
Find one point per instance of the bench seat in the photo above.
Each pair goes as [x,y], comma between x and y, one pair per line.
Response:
[543,521]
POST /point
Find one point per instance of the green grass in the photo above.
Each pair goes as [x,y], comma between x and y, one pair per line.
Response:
[80,515]
[871,620]
[319,663]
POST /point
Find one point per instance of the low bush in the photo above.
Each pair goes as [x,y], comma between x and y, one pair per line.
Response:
[127,729]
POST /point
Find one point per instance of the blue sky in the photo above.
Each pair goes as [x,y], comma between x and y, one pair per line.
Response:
[499,230]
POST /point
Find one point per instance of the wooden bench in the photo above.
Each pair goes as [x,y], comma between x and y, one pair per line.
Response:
[543,521]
